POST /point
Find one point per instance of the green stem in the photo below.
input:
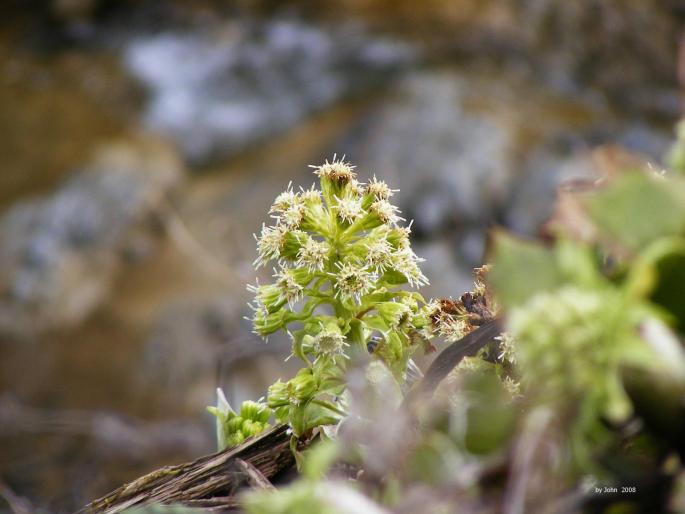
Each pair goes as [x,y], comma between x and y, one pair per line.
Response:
[329,406]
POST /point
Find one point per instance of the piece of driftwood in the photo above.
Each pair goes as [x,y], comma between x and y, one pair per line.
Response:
[209,482]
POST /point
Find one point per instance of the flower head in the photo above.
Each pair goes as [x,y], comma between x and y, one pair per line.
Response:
[353,281]
[447,319]
[349,209]
[378,189]
[399,237]
[378,254]
[267,297]
[285,201]
[270,243]
[337,171]
[313,254]
[330,342]
[385,211]
[507,347]
[288,286]
[311,195]
[406,262]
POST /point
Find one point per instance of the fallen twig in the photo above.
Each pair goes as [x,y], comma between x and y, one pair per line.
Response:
[254,477]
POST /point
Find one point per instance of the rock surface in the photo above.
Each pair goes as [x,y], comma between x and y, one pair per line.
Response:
[216,93]
[59,254]
[451,165]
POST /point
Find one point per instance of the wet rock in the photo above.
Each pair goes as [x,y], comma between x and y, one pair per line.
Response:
[448,276]
[469,151]
[216,93]
[452,165]
[197,344]
[628,49]
[586,155]
[531,200]
[60,253]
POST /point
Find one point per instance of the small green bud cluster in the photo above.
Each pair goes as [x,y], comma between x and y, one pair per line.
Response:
[233,428]
[310,398]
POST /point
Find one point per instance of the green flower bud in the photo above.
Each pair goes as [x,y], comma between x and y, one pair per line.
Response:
[232,429]
[235,439]
[278,395]
[254,411]
[303,386]
[352,281]
[251,428]
[393,313]
[269,297]
[266,323]
[233,425]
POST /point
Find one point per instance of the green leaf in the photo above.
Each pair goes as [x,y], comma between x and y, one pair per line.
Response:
[521,269]
[659,274]
[376,323]
[309,415]
[393,277]
[638,209]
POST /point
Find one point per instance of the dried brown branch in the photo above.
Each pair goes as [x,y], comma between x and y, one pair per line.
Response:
[254,477]
[209,482]
[452,355]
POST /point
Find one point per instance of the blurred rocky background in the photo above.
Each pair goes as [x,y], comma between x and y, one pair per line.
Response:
[143,141]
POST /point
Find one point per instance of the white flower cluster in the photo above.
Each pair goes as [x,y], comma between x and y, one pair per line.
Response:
[344,239]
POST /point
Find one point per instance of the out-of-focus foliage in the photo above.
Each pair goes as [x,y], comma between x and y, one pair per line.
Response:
[583,391]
